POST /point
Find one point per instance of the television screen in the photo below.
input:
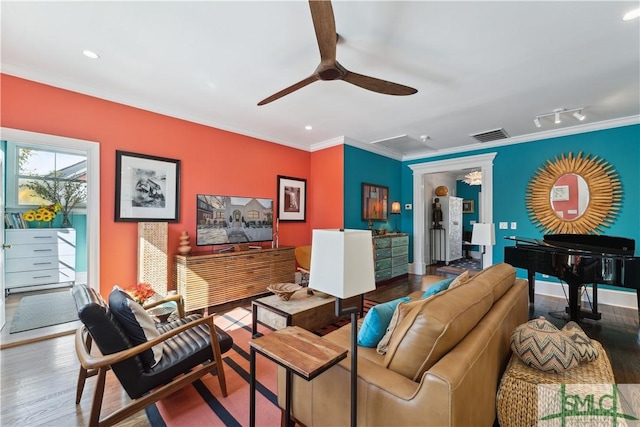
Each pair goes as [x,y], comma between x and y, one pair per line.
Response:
[227,219]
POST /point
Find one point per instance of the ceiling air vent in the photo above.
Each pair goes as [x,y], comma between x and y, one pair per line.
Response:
[491,135]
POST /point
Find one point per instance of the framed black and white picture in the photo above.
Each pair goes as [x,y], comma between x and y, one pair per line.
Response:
[292,199]
[147,188]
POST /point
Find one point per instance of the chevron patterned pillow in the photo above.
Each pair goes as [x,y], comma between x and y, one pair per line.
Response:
[588,353]
[541,345]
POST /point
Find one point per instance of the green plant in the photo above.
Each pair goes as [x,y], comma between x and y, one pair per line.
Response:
[68,194]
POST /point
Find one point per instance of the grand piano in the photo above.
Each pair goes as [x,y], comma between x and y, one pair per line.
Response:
[578,259]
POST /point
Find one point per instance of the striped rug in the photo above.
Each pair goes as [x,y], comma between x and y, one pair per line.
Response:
[202,404]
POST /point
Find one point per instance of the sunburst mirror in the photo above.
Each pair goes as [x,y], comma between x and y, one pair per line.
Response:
[574,194]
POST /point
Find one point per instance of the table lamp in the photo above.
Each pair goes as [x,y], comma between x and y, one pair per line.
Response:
[342,266]
[483,235]
[395,210]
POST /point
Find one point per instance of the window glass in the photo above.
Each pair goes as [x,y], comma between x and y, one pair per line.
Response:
[43,166]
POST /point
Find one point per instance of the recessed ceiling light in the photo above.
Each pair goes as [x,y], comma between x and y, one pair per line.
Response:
[90,54]
[308,127]
[631,15]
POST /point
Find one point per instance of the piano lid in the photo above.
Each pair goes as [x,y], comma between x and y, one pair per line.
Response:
[586,243]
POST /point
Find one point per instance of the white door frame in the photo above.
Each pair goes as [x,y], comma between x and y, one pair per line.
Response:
[92,150]
[482,161]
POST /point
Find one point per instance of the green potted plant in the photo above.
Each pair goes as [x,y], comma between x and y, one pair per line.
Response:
[67,194]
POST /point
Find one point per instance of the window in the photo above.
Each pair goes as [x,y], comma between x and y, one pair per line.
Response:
[253,215]
[30,164]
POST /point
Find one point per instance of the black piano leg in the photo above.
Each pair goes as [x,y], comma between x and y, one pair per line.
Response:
[573,302]
[532,285]
[638,297]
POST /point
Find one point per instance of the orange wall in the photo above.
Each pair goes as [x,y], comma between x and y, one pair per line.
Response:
[327,188]
[212,160]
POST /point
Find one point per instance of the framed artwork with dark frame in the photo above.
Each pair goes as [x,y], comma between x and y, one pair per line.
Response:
[375,202]
[292,199]
[147,188]
[467,206]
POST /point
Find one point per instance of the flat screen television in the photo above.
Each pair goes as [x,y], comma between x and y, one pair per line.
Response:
[228,219]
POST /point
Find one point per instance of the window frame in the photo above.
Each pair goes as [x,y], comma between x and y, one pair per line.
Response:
[12,168]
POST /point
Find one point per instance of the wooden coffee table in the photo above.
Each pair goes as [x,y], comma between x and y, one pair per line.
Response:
[309,312]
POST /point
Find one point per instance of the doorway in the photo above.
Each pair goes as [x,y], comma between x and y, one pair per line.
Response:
[420,184]
[92,151]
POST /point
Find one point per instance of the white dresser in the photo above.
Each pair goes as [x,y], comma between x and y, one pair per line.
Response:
[39,256]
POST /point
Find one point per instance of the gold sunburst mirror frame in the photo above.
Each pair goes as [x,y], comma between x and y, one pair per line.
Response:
[599,207]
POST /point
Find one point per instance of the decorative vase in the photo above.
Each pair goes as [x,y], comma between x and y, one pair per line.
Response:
[185,246]
[66,222]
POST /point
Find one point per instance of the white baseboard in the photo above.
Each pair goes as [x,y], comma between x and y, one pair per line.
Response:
[605,296]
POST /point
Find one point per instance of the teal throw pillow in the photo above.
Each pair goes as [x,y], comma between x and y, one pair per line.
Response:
[438,287]
[376,321]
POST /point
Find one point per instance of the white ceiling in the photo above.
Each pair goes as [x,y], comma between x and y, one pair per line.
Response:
[478,66]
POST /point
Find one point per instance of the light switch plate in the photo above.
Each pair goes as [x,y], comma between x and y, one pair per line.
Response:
[514,225]
[504,226]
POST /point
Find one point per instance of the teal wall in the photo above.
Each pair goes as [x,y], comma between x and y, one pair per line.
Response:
[514,166]
[362,166]
[468,192]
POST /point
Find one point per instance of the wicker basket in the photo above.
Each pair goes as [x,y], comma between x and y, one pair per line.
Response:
[517,399]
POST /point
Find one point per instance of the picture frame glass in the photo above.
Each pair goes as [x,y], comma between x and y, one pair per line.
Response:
[147,188]
[292,198]
[375,202]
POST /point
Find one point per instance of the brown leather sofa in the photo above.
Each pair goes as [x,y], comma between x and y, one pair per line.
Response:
[442,368]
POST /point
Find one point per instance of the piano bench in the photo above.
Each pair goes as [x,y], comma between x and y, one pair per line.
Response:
[517,399]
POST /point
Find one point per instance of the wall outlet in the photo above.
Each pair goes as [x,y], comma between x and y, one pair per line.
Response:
[514,225]
[504,226]
[408,206]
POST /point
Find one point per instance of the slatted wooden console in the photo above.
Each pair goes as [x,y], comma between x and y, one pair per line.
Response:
[212,279]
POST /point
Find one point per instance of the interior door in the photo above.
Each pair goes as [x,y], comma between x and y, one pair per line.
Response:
[2,296]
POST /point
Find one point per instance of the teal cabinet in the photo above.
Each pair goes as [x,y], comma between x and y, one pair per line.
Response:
[391,256]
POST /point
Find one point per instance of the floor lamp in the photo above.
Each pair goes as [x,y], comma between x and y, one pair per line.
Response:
[342,266]
[483,235]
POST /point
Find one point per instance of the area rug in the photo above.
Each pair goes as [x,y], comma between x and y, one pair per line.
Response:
[39,311]
[202,404]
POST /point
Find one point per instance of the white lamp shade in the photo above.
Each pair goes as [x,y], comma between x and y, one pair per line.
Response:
[483,234]
[342,262]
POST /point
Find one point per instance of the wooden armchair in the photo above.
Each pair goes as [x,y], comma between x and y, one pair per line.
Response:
[192,347]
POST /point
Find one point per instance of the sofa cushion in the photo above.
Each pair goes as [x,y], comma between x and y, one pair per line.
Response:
[460,279]
[434,326]
[137,323]
[400,312]
[588,352]
[499,276]
[376,322]
[438,287]
[539,344]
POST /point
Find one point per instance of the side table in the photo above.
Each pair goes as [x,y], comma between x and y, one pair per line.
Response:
[298,351]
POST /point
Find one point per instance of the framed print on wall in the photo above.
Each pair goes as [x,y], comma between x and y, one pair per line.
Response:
[375,202]
[467,206]
[147,188]
[292,199]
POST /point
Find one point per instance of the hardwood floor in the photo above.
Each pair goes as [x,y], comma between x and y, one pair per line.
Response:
[8,339]
[38,380]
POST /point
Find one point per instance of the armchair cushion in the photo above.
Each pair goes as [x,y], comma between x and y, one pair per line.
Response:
[137,323]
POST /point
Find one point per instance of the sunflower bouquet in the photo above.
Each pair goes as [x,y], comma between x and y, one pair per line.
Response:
[45,213]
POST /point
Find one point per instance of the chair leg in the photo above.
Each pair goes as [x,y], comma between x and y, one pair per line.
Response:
[82,375]
[96,405]
[215,344]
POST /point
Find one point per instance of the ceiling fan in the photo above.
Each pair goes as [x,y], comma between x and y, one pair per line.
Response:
[330,69]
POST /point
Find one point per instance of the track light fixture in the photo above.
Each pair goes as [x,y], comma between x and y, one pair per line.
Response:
[557,115]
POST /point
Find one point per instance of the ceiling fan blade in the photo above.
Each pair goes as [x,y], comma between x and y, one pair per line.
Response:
[290,89]
[325,26]
[378,85]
